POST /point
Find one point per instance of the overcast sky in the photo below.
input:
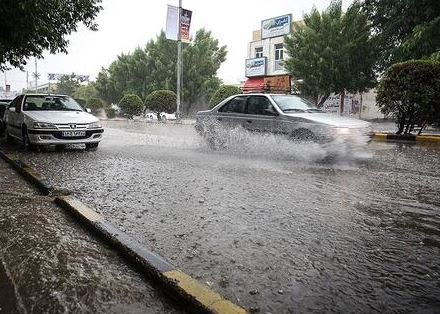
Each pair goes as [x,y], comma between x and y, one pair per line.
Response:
[125,25]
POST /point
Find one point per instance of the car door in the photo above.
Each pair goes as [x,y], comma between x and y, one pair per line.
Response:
[232,113]
[261,116]
[13,117]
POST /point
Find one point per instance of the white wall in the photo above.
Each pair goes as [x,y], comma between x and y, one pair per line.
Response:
[268,45]
[353,103]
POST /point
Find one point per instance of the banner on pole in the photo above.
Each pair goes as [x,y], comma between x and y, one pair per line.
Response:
[171,29]
[185,23]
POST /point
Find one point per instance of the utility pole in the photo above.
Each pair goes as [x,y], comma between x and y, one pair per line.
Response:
[179,60]
[36,75]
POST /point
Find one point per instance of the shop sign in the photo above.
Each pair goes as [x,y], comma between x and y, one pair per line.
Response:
[277,26]
[256,67]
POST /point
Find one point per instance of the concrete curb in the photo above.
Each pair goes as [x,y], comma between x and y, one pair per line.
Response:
[38,180]
[407,138]
[176,284]
[180,284]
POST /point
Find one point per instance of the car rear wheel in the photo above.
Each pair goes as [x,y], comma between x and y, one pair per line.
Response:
[163,119]
[92,146]
[9,138]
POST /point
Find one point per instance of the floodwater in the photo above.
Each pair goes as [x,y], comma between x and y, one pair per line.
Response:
[51,264]
[272,225]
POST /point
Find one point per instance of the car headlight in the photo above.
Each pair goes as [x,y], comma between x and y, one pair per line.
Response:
[44,125]
[342,131]
[95,125]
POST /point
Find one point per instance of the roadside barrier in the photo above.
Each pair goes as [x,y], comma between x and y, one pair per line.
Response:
[407,138]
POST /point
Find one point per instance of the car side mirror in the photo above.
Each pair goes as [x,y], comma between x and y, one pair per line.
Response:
[88,110]
[15,109]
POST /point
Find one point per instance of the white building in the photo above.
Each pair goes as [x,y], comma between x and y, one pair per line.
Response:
[266,54]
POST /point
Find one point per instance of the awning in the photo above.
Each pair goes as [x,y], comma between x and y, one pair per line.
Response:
[254,85]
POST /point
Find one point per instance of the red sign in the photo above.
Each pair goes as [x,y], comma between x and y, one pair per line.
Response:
[185,22]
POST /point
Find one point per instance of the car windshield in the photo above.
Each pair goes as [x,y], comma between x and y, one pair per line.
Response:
[50,103]
[290,103]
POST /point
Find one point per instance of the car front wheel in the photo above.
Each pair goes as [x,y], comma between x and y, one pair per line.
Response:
[303,135]
[27,145]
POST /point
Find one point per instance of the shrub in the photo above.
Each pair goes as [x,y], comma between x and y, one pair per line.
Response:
[110,112]
[131,105]
[409,91]
[223,92]
[95,104]
[161,101]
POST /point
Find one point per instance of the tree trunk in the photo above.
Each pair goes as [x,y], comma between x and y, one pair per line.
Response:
[422,127]
[341,104]
[322,100]
[401,124]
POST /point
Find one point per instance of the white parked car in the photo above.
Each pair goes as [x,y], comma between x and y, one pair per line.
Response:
[42,119]
[163,116]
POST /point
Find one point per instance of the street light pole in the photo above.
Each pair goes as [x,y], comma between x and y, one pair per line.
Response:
[179,61]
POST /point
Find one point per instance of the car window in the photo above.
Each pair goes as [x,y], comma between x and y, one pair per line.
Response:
[294,104]
[50,103]
[259,105]
[16,103]
[236,105]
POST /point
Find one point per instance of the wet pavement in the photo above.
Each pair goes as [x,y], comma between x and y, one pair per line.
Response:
[265,222]
[50,264]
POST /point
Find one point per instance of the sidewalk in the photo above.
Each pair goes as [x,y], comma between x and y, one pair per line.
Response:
[387,126]
[50,264]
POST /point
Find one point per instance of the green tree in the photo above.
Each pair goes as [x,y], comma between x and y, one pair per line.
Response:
[86,92]
[161,101]
[30,27]
[332,52]
[410,92]
[105,87]
[131,105]
[404,29]
[68,84]
[154,68]
[223,92]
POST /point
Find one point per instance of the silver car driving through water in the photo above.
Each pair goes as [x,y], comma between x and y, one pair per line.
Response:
[290,115]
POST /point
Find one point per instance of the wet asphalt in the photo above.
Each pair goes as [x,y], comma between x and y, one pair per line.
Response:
[49,263]
[266,222]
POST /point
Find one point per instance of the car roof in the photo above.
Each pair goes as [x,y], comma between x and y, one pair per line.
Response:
[43,94]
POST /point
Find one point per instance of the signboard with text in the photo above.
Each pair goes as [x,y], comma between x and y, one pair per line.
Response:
[58,76]
[256,67]
[277,26]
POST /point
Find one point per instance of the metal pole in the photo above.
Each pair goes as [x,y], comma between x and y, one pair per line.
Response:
[36,75]
[179,61]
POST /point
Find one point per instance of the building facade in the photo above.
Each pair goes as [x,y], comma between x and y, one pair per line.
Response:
[264,66]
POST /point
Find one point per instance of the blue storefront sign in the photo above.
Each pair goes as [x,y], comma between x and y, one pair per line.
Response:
[256,67]
[277,26]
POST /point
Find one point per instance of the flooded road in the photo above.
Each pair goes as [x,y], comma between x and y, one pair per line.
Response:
[265,222]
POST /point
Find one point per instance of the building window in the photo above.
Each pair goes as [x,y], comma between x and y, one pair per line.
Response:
[279,52]
[259,52]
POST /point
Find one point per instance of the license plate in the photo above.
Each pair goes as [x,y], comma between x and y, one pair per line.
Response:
[74,133]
